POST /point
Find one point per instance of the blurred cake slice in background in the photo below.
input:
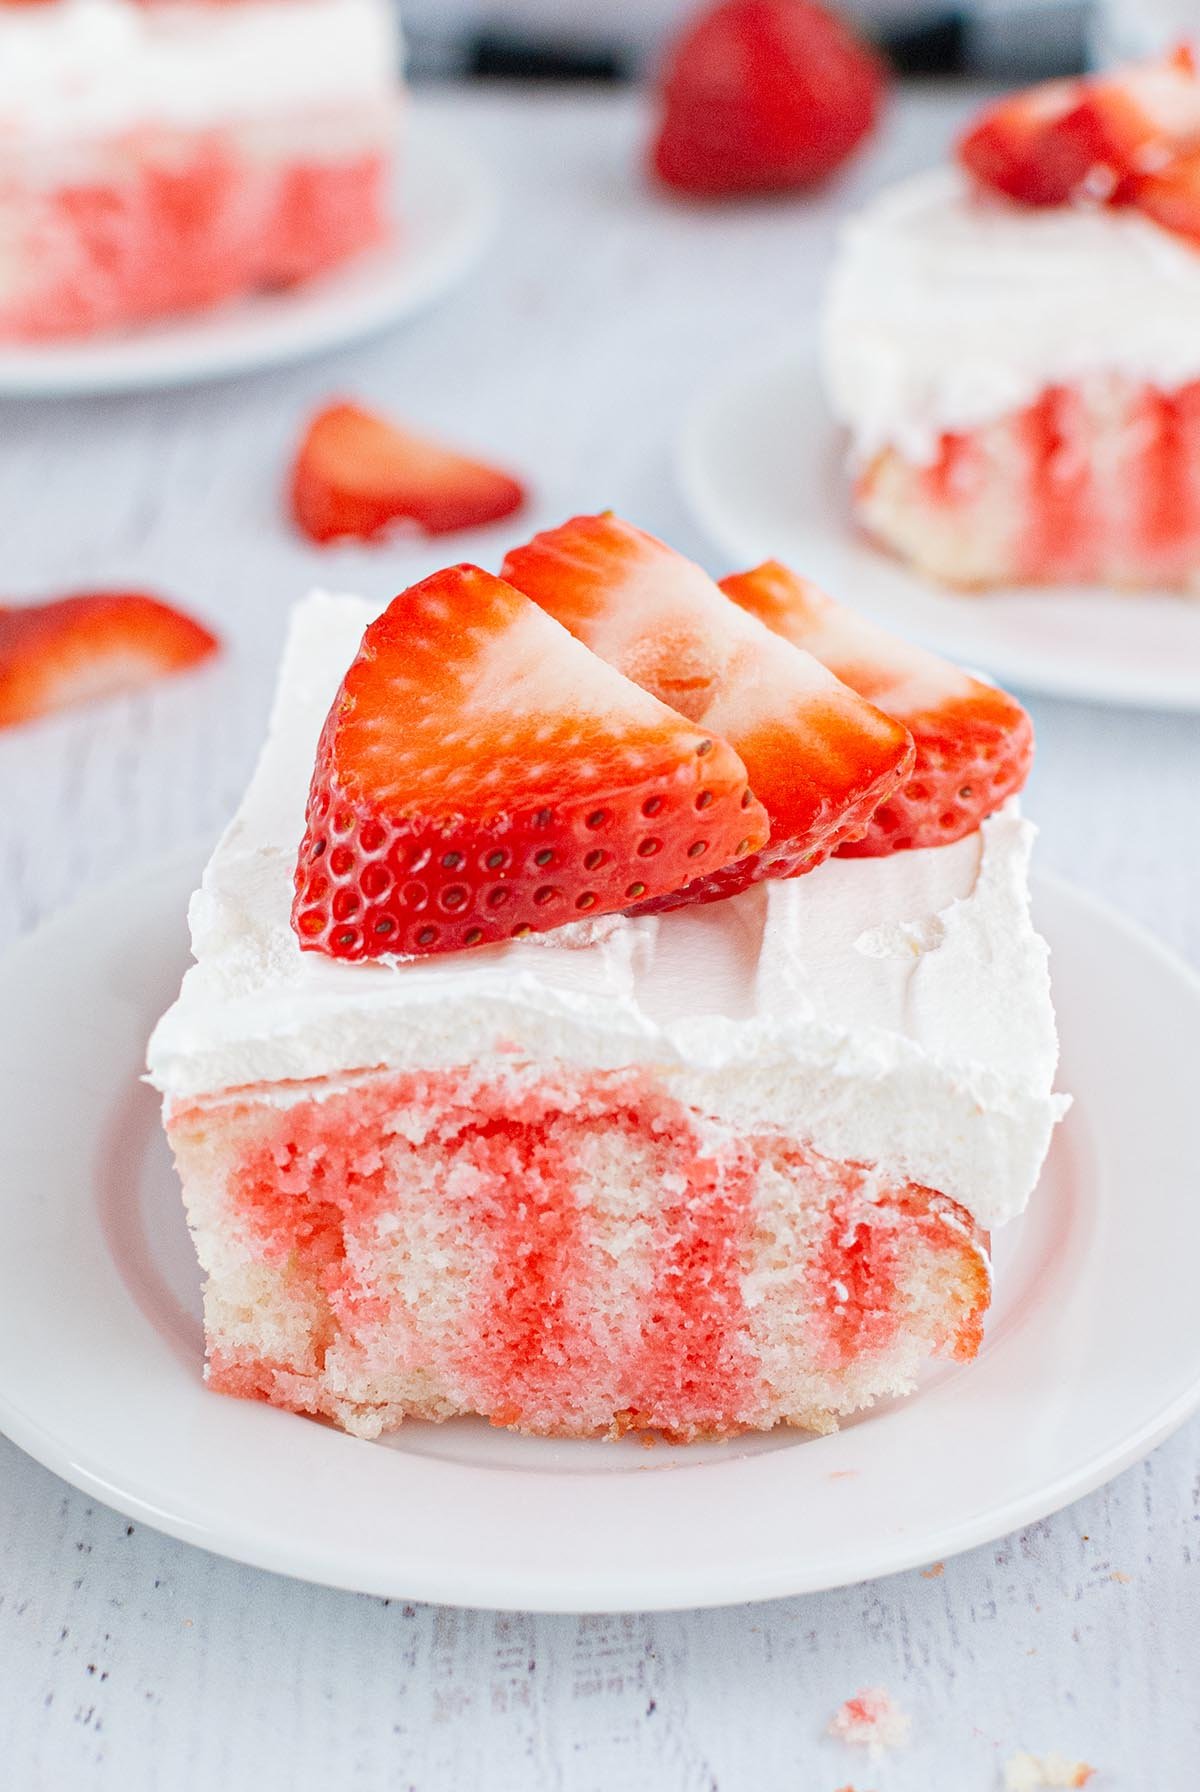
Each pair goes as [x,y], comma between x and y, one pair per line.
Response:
[158,158]
[1013,344]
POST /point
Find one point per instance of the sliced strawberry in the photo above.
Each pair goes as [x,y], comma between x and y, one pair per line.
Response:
[1133,123]
[1016,147]
[820,759]
[763,94]
[357,474]
[1172,197]
[73,649]
[974,743]
[482,776]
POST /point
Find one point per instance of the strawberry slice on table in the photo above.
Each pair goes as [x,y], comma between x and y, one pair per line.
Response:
[356,474]
[73,649]
[974,743]
[1018,148]
[1133,123]
[482,776]
[820,759]
[763,94]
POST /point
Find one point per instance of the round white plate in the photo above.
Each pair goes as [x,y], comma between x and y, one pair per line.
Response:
[1092,1352]
[763,467]
[446,208]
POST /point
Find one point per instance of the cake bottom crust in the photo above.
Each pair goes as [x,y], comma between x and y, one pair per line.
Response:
[574,1255]
[1096,482]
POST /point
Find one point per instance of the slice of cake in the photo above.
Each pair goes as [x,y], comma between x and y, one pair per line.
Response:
[1014,344]
[714,1169]
[161,155]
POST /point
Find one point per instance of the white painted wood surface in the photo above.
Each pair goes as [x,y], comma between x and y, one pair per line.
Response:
[134,1663]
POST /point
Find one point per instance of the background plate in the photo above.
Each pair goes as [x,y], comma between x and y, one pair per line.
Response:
[446,206]
[1092,1353]
[763,467]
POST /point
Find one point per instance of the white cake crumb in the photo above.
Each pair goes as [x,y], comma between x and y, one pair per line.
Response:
[871,1720]
[1029,1773]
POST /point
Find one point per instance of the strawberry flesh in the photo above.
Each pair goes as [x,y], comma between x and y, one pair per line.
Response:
[1172,196]
[820,759]
[358,475]
[1134,123]
[76,649]
[974,743]
[760,95]
[481,776]
[1017,147]
[1129,138]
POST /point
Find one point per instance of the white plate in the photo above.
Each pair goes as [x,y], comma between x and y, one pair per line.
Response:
[762,466]
[1092,1352]
[446,208]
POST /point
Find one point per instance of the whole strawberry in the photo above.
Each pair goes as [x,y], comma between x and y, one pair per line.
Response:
[763,95]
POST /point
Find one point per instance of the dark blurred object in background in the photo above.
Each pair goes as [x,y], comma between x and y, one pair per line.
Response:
[612,40]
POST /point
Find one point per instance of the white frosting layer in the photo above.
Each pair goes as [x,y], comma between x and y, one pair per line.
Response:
[891,1010]
[96,68]
[948,308]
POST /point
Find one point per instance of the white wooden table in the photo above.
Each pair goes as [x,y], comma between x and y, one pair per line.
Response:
[131,1662]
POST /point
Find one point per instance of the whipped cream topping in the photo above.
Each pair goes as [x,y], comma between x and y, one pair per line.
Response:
[948,308]
[96,68]
[890,1010]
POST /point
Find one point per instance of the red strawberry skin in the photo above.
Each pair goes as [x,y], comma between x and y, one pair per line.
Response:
[482,776]
[357,475]
[1135,122]
[763,95]
[1018,147]
[820,759]
[76,649]
[974,743]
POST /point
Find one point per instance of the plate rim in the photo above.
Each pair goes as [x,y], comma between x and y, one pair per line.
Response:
[695,482]
[132,361]
[724,1585]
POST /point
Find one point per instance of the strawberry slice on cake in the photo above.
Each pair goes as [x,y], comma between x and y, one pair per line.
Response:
[481,776]
[1134,122]
[974,743]
[1016,146]
[820,758]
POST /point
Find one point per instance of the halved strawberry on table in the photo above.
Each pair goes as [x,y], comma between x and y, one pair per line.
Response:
[482,776]
[358,475]
[72,650]
[1017,147]
[820,758]
[974,743]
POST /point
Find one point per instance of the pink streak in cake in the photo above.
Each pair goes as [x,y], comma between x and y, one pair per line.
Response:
[578,1256]
[1095,481]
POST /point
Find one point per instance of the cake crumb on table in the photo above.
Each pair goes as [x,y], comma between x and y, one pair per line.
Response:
[1029,1773]
[871,1720]
[934,1572]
